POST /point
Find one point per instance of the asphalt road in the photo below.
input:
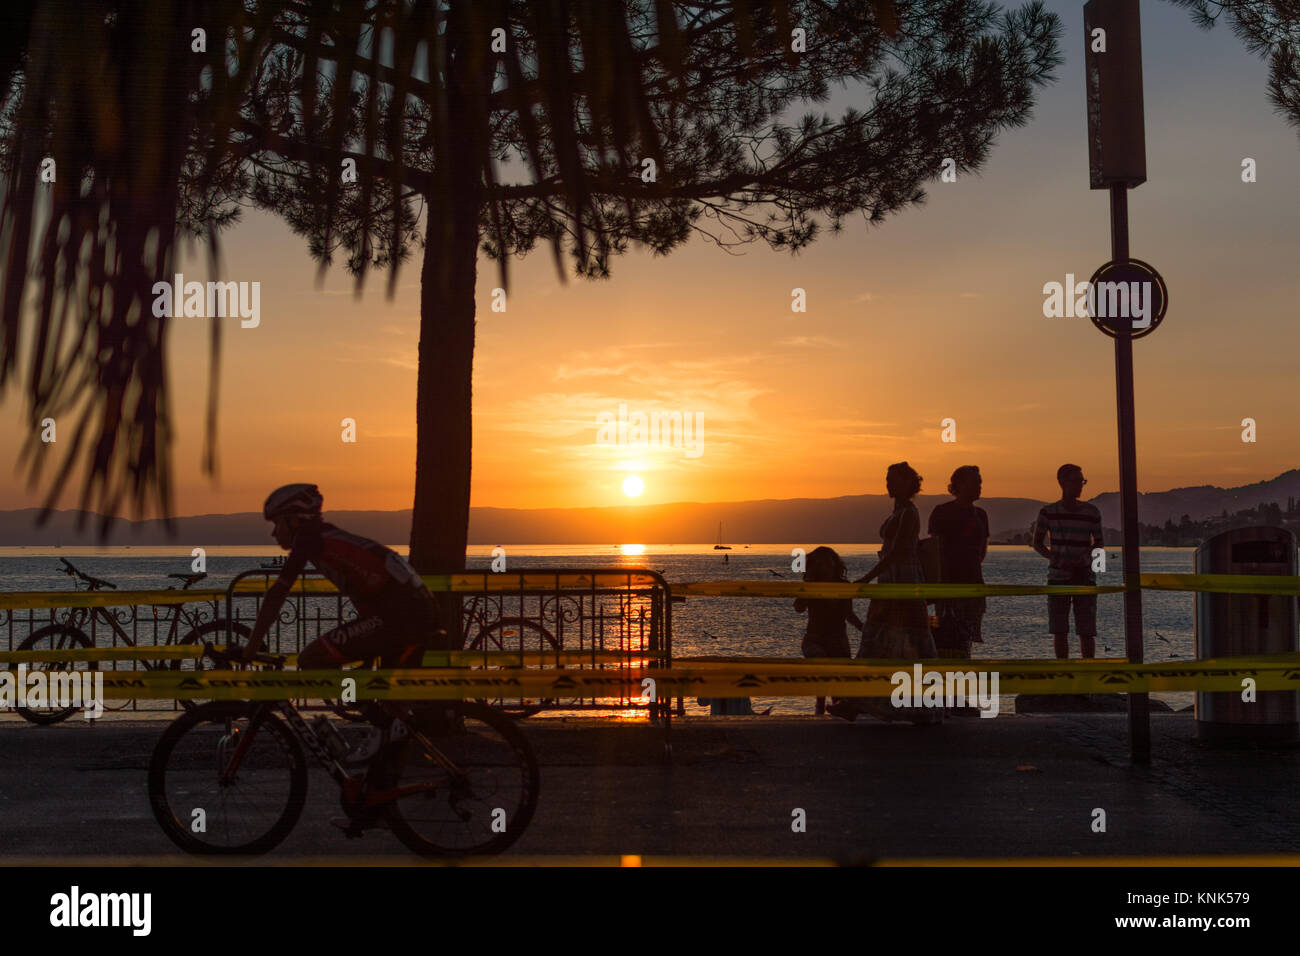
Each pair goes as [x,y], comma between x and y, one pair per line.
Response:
[1014,786]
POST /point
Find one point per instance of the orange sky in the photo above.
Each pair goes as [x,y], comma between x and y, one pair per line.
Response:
[936,314]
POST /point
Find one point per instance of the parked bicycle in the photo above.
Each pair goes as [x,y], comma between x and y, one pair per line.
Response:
[460,779]
[69,634]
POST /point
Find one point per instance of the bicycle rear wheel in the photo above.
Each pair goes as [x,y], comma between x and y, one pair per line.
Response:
[54,637]
[467,782]
[251,810]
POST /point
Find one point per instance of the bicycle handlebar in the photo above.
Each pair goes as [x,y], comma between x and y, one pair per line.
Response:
[94,582]
[226,657]
[189,579]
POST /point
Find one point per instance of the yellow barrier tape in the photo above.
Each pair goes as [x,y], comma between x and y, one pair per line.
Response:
[791,679]
[1215,583]
[461,583]
[615,580]
[535,658]
[1223,583]
[492,581]
[472,581]
[165,652]
[817,589]
[24,600]
[431,658]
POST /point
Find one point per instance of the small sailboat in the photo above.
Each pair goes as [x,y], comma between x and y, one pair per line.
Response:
[720,546]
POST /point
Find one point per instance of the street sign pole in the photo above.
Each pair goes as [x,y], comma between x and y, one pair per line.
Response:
[1139,707]
[1117,162]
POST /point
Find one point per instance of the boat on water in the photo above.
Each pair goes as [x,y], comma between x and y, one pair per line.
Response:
[720,546]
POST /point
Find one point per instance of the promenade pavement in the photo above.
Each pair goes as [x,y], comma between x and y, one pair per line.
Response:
[1014,786]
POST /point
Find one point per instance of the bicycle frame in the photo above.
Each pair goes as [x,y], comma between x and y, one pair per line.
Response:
[349,783]
[80,616]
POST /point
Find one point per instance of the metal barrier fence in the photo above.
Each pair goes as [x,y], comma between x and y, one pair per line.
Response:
[612,619]
[617,623]
[604,620]
[99,619]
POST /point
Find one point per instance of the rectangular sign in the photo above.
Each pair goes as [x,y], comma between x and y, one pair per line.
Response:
[1112,37]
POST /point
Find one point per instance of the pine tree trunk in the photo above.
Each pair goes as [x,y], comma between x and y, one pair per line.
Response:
[444,427]
[443,413]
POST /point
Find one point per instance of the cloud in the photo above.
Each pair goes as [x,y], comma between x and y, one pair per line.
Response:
[809,341]
[611,360]
[567,372]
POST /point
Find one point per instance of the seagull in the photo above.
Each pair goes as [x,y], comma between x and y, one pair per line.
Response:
[1106,649]
[777,573]
[1163,638]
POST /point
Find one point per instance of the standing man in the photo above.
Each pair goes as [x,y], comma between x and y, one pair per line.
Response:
[1066,533]
[963,533]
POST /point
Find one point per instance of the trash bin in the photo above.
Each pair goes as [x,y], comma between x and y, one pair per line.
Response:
[1233,625]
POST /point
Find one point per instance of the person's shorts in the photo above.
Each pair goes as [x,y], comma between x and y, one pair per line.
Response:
[398,636]
[1085,614]
[830,645]
[957,631]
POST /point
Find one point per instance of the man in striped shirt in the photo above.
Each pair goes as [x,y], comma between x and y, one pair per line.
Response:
[1066,533]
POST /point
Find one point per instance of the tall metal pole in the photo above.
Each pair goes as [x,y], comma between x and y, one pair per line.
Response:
[1139,723]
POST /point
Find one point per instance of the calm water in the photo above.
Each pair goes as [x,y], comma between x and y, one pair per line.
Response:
[768,627]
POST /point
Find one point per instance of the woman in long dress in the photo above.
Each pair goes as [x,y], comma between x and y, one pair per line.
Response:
[896,628]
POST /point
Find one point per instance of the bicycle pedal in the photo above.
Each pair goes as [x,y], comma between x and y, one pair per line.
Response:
[352,829]
[374,820]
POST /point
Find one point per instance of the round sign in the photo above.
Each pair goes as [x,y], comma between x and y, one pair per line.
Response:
[1123,292]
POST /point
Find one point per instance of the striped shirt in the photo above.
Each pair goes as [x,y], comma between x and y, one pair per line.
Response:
[1072,534]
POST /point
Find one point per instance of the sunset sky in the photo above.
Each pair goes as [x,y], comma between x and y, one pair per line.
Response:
[936,314]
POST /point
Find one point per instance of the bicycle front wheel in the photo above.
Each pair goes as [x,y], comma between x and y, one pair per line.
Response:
[55,637]
[227,778]
[467,782]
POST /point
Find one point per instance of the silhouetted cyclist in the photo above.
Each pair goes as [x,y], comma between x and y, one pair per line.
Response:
[397,618]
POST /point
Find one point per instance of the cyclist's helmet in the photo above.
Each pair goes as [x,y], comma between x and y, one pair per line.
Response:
[301,500]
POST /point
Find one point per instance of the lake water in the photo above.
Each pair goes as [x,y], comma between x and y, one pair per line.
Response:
[1015,627]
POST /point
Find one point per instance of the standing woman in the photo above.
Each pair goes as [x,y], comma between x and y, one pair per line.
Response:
[895,628]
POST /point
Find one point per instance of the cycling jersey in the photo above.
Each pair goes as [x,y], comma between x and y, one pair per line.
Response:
[387,593]
[367,572]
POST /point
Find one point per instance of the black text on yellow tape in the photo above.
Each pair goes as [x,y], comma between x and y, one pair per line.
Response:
[797,679]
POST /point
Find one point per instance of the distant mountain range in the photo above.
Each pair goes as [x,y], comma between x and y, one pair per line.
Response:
[846,519]
[1201,501]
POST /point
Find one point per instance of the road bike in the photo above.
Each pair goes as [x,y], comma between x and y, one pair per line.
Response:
[70,634]
[449,778]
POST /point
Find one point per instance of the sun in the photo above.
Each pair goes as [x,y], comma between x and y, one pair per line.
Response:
[633,486]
